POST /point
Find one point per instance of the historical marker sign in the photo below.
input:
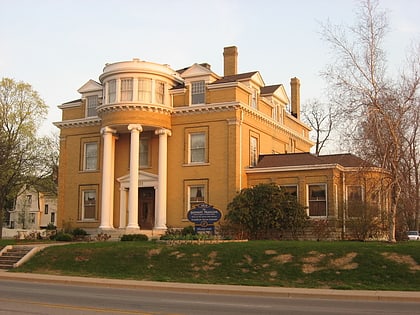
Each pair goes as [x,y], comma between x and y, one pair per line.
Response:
[204,216]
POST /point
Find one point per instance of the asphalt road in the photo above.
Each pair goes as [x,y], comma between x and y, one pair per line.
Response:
[27,297]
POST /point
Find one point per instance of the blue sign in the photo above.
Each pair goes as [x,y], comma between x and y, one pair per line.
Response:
[204,215]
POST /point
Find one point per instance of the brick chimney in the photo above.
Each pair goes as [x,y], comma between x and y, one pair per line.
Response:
[230,58]
[295,97]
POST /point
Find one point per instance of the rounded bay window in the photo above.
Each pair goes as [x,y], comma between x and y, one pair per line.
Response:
[137,92]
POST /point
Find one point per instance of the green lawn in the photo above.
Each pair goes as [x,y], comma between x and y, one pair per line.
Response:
[338,265]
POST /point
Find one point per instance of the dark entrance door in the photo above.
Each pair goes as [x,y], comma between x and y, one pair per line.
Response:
[146,208]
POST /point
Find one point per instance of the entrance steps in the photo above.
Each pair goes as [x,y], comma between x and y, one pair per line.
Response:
[11,255]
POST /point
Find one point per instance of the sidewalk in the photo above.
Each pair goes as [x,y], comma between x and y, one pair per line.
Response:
[401,296]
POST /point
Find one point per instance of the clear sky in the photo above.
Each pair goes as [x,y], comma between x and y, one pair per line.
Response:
[58,45]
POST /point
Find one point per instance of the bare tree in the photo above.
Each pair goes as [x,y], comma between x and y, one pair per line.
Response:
[376,107]
[21,112]
[321,119]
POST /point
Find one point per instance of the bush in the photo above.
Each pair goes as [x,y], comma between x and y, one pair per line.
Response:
[51,227]
[265,211]
[79,232]
[63,237]
[134,237]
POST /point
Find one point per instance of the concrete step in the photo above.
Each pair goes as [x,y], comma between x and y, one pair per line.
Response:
[12,256]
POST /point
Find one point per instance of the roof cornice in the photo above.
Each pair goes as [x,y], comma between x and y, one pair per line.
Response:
[83,122]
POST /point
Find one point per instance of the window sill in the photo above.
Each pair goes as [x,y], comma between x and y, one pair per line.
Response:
[197,164]
[89,171]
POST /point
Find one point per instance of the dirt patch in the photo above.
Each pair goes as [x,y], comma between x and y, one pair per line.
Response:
[402,259]
[81,258]
[317,261]
[154,252]
[177,254]
[248,259]
[270,252]
[282,259]
[345,262]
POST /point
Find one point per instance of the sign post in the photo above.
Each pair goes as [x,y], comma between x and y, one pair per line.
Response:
[204,216]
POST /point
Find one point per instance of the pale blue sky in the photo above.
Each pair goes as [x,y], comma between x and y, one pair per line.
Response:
[58,45]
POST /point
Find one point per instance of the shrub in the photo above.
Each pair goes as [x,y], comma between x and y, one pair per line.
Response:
[51,227]
[264,211]
[63,237]
[134,237]
[79,232]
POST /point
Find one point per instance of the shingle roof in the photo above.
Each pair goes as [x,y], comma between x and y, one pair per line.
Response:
[235,77]
[309,159]
[270,89]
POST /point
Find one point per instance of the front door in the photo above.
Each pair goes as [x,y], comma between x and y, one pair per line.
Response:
[146,208]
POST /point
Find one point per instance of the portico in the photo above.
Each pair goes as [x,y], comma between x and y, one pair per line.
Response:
[132,183]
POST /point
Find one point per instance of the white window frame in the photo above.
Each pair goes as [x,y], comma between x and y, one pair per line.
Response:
[159,92]
[144,158]
[193,148]
[145,90]
[254,98]
[91,192]
[90,156]
[253,151]
[198,92]
[126,89]
[91,103]
[325,200]
[196,189]
[112,91]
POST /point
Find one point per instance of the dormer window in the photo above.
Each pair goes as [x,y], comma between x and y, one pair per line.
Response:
[198,89]
[91,104]
[254,98]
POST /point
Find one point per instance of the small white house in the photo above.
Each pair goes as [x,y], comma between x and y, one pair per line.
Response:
[33,210]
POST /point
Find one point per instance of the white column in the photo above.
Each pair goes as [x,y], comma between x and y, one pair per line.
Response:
[160,214]
[123,207]
[134,177]
[107,178]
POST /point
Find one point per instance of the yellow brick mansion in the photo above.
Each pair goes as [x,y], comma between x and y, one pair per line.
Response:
[147,143]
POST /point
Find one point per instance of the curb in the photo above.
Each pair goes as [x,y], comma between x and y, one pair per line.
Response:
[366,295]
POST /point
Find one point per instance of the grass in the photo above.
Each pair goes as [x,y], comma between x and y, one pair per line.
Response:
[337,265]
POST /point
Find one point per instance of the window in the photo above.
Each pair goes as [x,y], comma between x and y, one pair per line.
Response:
[90,156]
[253,151]
[196,195]
[159,92]
[127,89]
[354,201]
[31,218]
[197,147]
[112,91]
[198,92]
[254,98]
[317,200]
[290,190]
[28,200]
[145,90]
[274,113]
[144,152]
[52,217]
[89,205]
[92,103]
[46,209]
